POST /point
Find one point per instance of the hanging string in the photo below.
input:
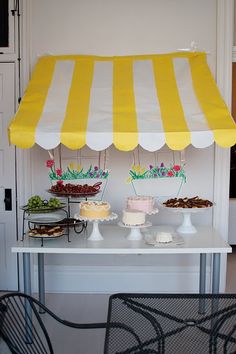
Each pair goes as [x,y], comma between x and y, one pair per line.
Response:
[80,157]
[99,159]
[182,156]
[60,161]
[105,159]
[173,157]
[77,157]
[134,160]
[50,155]
[138,156]
[155,158]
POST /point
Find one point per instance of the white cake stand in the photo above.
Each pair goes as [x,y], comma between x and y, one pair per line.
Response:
[187,227]
[135,233]
[96,235]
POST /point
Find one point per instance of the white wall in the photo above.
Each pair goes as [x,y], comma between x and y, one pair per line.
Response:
[234,25]
[111,27]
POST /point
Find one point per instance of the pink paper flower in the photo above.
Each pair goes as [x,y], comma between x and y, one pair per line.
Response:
[50,163]
[176,168]
[170,174]
[95,168]
[60,182]
[59,172]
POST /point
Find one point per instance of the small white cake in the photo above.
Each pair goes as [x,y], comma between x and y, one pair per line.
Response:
[164,237]
[133,217]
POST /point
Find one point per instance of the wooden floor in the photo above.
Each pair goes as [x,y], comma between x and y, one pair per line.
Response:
[93,308]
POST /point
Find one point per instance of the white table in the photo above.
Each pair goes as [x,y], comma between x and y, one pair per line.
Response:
[205,241]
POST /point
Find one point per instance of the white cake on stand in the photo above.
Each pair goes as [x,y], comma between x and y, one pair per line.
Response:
[95,212]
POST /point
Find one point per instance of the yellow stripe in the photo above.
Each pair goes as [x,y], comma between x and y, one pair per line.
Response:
[175,127]
[215,110]
[73,132]
[22,128]
[125,132]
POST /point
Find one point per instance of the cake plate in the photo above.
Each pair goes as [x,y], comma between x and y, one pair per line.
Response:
[96,235]
[186,227]
[135,233]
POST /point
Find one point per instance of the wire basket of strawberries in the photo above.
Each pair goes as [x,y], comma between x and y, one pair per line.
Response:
[75,190]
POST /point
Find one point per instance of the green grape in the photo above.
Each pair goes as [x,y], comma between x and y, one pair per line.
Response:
[35,202]
[54,203]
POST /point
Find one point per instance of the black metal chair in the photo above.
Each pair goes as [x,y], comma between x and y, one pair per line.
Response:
[22,327]
[171,324]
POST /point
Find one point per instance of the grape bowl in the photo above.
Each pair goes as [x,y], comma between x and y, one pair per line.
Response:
[37,205]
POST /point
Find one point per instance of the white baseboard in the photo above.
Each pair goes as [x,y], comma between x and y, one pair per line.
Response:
[113,279]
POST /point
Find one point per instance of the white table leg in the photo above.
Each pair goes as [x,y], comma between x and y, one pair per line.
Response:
[216,273]
[202,282]
[41,281]
[28,291]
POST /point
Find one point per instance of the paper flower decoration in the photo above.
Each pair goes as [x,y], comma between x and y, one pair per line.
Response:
[73,172]
[161,171]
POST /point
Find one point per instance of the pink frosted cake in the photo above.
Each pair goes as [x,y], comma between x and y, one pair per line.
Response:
[142,203]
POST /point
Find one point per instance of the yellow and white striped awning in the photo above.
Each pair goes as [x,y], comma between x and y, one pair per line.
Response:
[149,100]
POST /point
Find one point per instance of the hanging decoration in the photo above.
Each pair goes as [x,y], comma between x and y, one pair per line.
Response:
[159,171]
[158,176]
[73,172]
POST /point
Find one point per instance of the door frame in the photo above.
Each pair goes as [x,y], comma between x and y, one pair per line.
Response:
[224,37]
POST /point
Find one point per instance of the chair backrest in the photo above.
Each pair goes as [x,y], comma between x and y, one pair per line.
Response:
[171,323]
[21,326]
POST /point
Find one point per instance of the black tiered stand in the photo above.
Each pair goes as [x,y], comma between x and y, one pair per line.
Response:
[77,225]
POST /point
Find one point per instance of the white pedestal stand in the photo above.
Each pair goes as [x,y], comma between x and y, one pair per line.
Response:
[135,233]
[186,227]
[96,235]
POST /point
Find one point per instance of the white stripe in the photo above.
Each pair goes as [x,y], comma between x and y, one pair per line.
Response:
[100,121]
[201,135]
[48,130]
[150,129]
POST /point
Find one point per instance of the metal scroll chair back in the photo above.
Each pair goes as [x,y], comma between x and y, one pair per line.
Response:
[171,324]
[22,327]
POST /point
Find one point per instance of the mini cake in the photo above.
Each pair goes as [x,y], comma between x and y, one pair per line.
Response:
[133,217]
[163,237]
[95,209]
[142,203]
